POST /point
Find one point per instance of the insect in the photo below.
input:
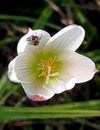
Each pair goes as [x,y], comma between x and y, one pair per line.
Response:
[33,40]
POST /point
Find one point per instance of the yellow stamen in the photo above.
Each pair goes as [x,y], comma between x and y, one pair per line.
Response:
[47,69]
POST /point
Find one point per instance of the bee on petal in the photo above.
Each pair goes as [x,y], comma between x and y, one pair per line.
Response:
[33,40]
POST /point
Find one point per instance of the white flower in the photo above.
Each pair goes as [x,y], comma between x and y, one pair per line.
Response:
[49,65]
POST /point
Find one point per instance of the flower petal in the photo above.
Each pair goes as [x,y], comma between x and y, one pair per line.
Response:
[37,92]
[23,43]
[23,67]
[79,66]
[59,86]
[56,86]
[11,73]
[69,38]
[70,84]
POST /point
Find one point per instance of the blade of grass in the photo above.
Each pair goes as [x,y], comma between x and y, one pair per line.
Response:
[41,22]
[6,88]
[3,82]
[57,111]
[23,113]
[30,20]
[8,94]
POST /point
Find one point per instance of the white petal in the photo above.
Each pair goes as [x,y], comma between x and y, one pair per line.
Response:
[79,66]
[11,72]
[59,86]
[23,67]
[69,38]
[70,84]
[23,43]
[56,85]
[37,92]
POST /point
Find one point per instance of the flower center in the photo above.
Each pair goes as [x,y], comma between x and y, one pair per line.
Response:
[47,69]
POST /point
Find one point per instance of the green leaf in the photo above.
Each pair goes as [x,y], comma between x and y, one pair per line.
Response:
[84,109]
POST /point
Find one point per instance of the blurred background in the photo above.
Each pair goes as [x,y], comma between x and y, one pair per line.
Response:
[16,110]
